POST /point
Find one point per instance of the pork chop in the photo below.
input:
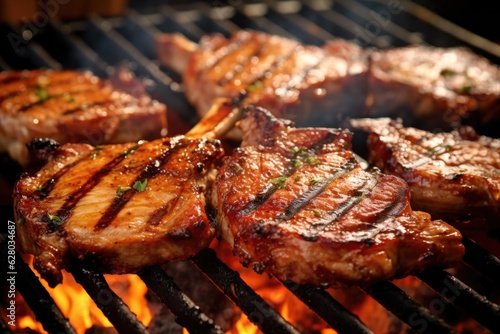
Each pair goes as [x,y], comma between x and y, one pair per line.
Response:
[71,107]
[295,202]
[118,208]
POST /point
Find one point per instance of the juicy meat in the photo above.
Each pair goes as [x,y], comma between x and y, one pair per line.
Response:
[432,87]
[295,202]
[70,106]
[118,207]
[305,83]
[453,175]
[436,87]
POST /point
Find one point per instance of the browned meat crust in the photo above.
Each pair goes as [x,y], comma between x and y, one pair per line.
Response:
[70,106]
[434,88]
[295,202]
[305,83]
[439,87]
[452,175]
[120,207]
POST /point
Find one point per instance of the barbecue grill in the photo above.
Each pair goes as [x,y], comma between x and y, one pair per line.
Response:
[103,44]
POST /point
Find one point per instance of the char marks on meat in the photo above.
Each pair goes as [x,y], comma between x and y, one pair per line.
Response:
[295,202]
[70,106]
[118,207]
[300,82]
[317,86]
[453,176]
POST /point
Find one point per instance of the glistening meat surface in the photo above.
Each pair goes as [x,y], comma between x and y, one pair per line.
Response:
[71,107]
[452,175]
[294,202]
[306,83]
[119,208]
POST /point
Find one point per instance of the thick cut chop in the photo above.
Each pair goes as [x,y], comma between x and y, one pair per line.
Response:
[453,175]
[308,84]
[118,207]
[70,106]
[295,202]
[435,87]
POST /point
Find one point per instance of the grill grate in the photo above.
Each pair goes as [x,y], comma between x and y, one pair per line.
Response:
[102,44]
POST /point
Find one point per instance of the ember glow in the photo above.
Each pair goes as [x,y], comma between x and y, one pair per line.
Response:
[83,313]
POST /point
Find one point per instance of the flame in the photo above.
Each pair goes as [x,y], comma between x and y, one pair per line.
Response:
[276,295]
[76,304]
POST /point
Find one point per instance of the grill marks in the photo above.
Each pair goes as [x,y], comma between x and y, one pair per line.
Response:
[272,187]
[150,171]
[300,202]
[72,200]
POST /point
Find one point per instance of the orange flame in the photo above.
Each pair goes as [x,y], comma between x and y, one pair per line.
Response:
[76,304]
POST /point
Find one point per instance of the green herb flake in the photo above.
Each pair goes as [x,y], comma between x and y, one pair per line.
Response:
[437,150]
[297,178]
[447,72]
[40,188]
[465,89]
[96,151]
[280,182]
[295,150]
[54,218]
[313,181]
[316,212]
[20,221]
[310,160]
[295,163]
[121,190]
[69,98]
[140,185]
[42,93]
[133,148]
[256,86]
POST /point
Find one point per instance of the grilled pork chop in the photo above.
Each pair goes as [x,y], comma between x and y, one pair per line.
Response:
[452,175]
[295,202]
[435,87]
[305,83]
[70,106]
[120,207]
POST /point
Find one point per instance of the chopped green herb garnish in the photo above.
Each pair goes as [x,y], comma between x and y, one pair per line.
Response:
[295,163]
[447,72]
[256,86]
[317,213]
[54,218]
[313,181]
[280,182]
[96,151]
[121,190]
[133,148]
[295,150]
[297,178]
[140,185]
[42,93]
[310,160]
[465,89]
[20,221]
[437,150]
[69,98]
[40,188]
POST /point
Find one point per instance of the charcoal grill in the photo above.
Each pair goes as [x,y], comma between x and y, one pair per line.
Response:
[101,44]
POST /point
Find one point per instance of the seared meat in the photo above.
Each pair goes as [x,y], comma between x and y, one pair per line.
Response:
[452,175]
[295,202]
[71,106]
[437,87]
[119,207]
[308,84]
[431,87]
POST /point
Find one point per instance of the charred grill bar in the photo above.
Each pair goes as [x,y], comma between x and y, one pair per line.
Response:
[100,44]
[262,314]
